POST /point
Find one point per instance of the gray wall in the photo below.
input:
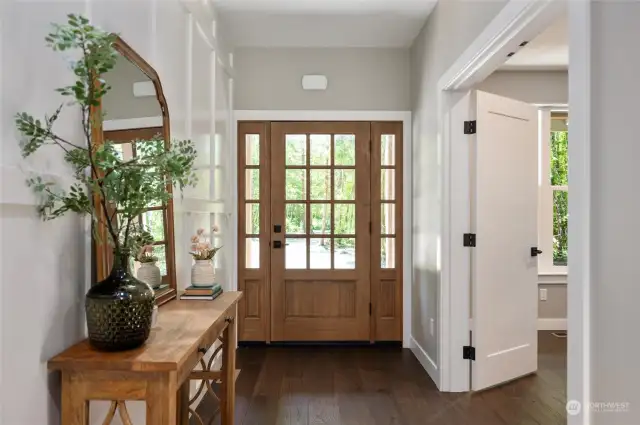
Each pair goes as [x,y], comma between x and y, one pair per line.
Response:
[529,86]
[613,155]
[119,102]
[555,307]
[359,79]
[452,27]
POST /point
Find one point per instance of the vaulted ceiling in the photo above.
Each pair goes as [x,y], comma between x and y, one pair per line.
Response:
[322,23]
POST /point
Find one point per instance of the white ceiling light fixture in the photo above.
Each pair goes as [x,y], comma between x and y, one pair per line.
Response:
[314,82]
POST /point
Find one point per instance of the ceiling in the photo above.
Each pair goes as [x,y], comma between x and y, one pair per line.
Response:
[322,23]
[549,51]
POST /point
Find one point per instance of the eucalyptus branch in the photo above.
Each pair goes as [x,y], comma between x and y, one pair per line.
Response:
[103,179]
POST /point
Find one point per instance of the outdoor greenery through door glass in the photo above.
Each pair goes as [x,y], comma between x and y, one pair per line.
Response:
[559,183]
[314,164]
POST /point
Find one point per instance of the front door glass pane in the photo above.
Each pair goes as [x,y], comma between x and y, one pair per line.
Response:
[295,251]
[345,219]
[345,185]
[344,149]
[320,149]
[295,219]
[344,253]
[320,184]
[296,184]
[296,149]
[320,253]
[320,219]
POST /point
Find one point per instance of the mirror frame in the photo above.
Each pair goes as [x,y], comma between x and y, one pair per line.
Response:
[103,254]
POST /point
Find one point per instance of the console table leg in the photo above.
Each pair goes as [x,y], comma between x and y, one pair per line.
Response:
[228,372]
[183,404]
[75,408]
[161,402]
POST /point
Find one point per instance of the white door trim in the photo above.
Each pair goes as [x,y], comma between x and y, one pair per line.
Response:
[299,115]
[518,21]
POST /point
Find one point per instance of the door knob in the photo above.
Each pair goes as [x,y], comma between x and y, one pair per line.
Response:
[277,244]
[535,251]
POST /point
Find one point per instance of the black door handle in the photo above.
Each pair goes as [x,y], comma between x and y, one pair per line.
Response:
[535,251]
[277,244]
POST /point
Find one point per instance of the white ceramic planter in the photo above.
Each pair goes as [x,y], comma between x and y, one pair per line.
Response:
[202,273]
[150,273]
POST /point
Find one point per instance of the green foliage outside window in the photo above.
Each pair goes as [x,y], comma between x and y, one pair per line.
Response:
[559,177]
[320,187]
[100,171]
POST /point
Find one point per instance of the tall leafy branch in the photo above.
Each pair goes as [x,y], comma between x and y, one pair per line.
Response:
[124,189]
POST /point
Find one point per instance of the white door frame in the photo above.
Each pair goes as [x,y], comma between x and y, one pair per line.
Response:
[518,21]
[300,115]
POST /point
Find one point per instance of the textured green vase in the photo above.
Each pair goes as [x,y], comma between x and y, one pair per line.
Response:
[119,309]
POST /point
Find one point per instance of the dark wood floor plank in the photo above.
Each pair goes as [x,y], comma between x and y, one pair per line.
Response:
[384,386]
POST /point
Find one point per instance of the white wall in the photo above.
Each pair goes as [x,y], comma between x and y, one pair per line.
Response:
[449,30]
[614,208]
[540,87]
[42,295]
[42,264]
[120,102]
[359,79]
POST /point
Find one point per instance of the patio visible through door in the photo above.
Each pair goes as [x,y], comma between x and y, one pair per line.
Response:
[320,226]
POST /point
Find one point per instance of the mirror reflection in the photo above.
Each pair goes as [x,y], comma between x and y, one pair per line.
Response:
[133,118]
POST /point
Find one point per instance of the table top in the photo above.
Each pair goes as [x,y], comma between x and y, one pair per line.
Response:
[178,332]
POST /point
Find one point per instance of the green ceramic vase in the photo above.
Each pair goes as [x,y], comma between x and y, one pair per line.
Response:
[119,309]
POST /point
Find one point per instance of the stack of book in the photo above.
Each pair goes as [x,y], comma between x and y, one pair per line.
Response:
[202,292]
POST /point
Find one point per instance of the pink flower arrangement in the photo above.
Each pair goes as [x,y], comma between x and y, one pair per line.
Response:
[145,255]
[201,248]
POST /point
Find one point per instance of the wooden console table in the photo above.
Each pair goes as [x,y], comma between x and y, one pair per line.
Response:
[159,372]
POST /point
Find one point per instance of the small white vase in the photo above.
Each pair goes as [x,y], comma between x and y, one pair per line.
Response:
[202,273]
[150,273]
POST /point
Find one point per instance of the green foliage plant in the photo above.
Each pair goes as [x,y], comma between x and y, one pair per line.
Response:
[124,188]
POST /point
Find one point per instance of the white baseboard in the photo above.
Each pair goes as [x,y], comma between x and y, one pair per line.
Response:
[552,324]
[427,362]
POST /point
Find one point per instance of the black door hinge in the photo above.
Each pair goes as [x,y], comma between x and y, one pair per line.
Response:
[470,127]
[469,239]
[469,352]
[370,309]
[370,227]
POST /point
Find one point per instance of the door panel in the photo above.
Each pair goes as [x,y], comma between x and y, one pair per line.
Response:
[320,274]
[504,216]
[253,234]
[386,232]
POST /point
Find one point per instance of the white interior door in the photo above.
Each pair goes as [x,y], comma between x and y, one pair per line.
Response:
[504,273]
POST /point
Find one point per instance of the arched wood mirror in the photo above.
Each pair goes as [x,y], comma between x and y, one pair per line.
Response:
[134,111]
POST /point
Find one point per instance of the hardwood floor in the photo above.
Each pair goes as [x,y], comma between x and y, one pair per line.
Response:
[384,386]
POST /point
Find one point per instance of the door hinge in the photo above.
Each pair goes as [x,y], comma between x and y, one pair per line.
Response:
[470,127]
[370,227]
[370,145]
[469,239]
[469,352]
[370,309]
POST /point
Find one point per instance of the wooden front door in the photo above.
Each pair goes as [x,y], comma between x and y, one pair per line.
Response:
[320,231]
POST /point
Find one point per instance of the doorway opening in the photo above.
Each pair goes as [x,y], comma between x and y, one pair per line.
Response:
[320,231]
[494,314]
